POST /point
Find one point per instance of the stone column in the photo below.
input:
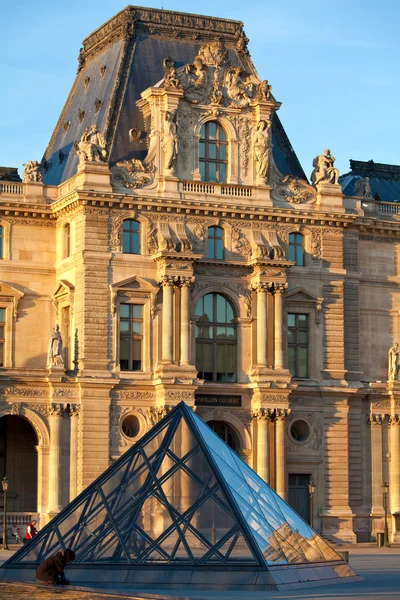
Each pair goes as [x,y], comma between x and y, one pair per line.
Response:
[55,419]
[278,329]
[167,319]
[394,472]
[376,422]
[280,471]
[186,283]
[261,325]
[73,451]
[262,416]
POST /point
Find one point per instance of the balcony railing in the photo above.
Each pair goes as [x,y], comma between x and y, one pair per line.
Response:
[217,189]
[388,208]
[11,188]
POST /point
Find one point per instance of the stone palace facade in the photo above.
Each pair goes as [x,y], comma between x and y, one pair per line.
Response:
[172,236]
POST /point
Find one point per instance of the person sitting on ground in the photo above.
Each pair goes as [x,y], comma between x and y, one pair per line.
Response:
[51,570]
[31,531]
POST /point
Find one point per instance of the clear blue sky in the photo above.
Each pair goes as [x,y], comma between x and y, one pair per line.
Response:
[332,64]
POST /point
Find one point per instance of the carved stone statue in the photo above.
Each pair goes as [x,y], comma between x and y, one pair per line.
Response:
[196,81]
[92,146]
[54,354]
[170,141]
[393,362]
[324,171]
[32,171]
[171,80]
[239,87]
[362,187]
[262,149]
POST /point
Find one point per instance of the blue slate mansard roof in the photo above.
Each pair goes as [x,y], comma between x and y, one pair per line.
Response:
[118,62]
[384,179]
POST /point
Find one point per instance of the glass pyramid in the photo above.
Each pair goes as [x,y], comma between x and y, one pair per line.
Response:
[180,496]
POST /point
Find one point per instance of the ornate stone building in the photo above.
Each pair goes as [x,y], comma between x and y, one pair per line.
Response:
[172,235]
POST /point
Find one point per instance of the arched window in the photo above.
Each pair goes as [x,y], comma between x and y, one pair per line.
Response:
[215,243]
[215,339]
[296,248]
[131,237]
[226,433]
[213,153]
[67,240]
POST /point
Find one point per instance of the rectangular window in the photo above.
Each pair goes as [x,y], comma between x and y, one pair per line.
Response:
[2,335]
[297,332]
[131,337]
[66,332]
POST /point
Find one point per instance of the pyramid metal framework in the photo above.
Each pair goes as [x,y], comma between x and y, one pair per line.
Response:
[180,496]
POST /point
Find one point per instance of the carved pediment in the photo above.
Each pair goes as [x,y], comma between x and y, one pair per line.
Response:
[304,299]
[212,78]
[133,287]
[63,288]
[9,293]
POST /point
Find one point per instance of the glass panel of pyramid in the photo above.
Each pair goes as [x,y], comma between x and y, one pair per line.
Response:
[180,496]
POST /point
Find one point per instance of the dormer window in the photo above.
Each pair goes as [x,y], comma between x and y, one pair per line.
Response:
[213,153]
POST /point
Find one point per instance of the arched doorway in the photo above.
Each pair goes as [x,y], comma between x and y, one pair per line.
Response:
[18,461]
[226,433]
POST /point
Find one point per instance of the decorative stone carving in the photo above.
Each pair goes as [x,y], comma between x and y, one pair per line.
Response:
[15,409]
[314,441]
[212,79]
[245,137]
[171,80]
[374,419]
[42,409]
[24,392]
[165,240]
[65,393]
[54,353]
[380,404]
[245,296]
[316,244]
[92,146]
[136,395]
[136,135]
[362,187]
[393,362]
[240,243]
[74,410]
[152,238]
[262,148]
[186,246]
[282,413]
[258,248]
[185,134]
[133,173]
[278,251]
[55,409]
[295,191]
[170,141]
[263,413]
[394,420]
[32,172]
[324,171]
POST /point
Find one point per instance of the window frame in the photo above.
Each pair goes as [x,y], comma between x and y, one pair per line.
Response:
[66,240]
[207,160]
[297,344]
[228,429]
[132,336]
[214,245]
[216,343]
[133,234]
[296,246]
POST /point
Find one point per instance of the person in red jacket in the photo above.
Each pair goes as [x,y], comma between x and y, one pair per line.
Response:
[51,570]
[30,531]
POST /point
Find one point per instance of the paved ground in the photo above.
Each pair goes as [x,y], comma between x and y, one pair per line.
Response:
[380,568]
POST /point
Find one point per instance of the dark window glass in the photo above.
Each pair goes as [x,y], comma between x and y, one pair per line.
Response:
[66,332]
[296,248]
[131,337]
[215,339]
[131,237]
[67,241]
[215,243]
[213,153]
[226,433]
[2,335]
[298,345]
